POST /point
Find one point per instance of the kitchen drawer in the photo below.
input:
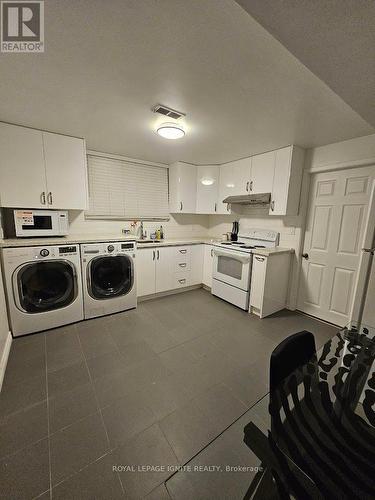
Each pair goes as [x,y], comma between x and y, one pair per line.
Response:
[184,251]
[182,264]
[179,280]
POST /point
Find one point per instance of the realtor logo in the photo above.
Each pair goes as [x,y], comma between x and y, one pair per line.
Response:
[22,26]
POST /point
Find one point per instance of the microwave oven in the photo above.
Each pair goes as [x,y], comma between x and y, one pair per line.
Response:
[31,223]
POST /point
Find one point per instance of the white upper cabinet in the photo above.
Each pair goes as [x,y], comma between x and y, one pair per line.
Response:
[234,180]
[262,171]
[41,170]
[22,170]
[286,189]
[207,189]
[65,160]
[202,189]
[182,188]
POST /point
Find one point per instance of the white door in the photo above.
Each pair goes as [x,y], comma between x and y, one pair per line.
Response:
[66,171]
[22,170]
[207,189]
[145,268]
[336,220]
[262,171]
[164,269]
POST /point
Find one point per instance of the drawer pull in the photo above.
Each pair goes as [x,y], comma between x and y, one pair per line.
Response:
[260,259]
[183,280]
[183,264]
[183,251]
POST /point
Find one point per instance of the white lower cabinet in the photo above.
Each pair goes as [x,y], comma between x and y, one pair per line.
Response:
[168,268]
[146,271]
[207,265]
[269,283]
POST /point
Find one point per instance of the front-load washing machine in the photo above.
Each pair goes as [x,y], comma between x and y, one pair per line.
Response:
[109,282]
[44,287]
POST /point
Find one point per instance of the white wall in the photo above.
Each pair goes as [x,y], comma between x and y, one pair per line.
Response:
[178,226]
[360,150]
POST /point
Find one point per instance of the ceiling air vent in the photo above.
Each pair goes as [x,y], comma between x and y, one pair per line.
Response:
[164,110]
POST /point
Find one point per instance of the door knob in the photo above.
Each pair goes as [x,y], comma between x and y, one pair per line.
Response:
[305,255]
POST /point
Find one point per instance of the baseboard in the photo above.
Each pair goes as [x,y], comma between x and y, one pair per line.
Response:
[169,292]
[4,358]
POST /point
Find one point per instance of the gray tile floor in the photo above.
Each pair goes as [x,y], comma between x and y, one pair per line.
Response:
[147,387]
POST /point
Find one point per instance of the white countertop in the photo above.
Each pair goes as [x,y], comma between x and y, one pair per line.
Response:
[75,239]
[272,251]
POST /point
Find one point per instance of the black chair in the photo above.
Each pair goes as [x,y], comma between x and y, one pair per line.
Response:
[292,353]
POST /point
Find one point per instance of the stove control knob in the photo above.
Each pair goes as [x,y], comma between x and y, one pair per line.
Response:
[110,248]
[44,252]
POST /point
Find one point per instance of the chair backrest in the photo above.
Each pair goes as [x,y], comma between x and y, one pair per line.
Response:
[292,352]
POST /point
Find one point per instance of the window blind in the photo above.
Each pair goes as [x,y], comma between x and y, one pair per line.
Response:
[122,189]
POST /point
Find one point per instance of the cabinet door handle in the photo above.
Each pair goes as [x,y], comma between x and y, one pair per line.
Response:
[153,255]
[260,259]
[181,205]
[215,207]
[183,251]
[212,252]
[272,205]
[158,254]
[247,186]
[183,264]
[228,209]
[43,198]
[182,280]
[49,198]
[251,185]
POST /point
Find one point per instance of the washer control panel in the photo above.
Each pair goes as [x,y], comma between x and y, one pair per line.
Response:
[44,252]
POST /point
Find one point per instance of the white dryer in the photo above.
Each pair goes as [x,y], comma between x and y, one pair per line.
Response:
[44,287]
[109,279]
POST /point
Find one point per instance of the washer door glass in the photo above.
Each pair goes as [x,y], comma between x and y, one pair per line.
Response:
[45,286]
[111,276]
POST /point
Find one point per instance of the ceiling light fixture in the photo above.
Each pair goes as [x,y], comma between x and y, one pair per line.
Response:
[170,131]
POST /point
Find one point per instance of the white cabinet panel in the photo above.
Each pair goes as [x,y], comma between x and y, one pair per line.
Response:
[234,180]
[182,188]
[207,265]
[22,170]
[196,273]
[226,188]
[287,180]
[145,271]
[269,283]
[207,189]
[65,161]
[163,269]
[258,275]
[159,269]
[262,171]
[241,170]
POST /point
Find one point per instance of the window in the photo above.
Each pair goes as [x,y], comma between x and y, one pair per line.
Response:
[126,189]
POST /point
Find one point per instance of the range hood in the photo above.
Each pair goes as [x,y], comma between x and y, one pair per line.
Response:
[249,199]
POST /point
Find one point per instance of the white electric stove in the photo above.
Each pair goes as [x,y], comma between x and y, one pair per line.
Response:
[232,263]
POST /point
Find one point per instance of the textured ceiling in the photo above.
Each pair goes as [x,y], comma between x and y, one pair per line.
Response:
[107,62]
[335,39]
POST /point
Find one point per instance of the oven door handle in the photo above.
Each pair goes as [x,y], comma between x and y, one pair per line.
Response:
[242,258]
